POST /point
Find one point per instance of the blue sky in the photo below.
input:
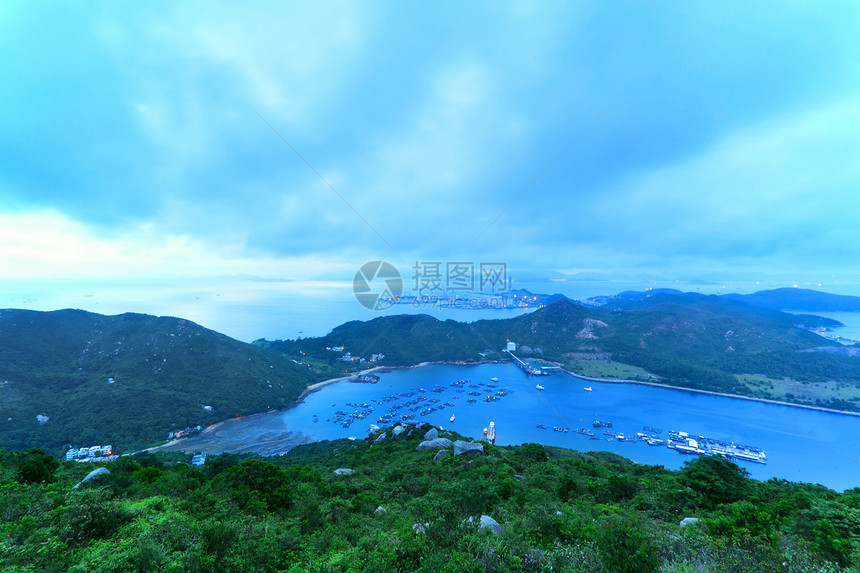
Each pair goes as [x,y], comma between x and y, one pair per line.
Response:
[726,144]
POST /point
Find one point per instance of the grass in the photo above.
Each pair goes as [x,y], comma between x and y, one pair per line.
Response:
[790,390]
[609,369]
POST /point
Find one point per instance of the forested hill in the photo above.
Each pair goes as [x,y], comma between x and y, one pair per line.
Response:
[126,379]
[391,503]
[695,341]
[801,299]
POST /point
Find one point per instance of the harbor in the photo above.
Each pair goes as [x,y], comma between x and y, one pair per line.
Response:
[800,444]
[413,406]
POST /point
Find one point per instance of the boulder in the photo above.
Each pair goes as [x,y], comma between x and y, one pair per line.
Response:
[518,476]
[398,430]
[96,473]
[439,455]
[420,528]
[431,434]
[462,448]
[380,510]
[344,472]
[688,520]
[437,443]
[491,524]
[381,436]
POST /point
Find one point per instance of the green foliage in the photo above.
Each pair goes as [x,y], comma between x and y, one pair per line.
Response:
[37,467]
[571,511]
[162,370]
[716,479]
[689,341]
[625,547]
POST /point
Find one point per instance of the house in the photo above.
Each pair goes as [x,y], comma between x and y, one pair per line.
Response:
[199,459]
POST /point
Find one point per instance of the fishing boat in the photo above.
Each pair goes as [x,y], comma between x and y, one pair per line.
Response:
[539,387]
[452,417]
[494,379]
[587,388]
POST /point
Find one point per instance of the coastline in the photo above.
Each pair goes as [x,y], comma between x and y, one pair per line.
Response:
[319,385]
[711,393]
[289,439]
[316,387]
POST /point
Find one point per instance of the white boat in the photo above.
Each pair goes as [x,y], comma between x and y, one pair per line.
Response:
[587,388]
[494,379]
[452,417]
[539,387]
[491,435]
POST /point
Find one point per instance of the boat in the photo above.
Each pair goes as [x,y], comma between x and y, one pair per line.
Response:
[491,435]
[587,388]
[539,387]
[452,417]
[494,379]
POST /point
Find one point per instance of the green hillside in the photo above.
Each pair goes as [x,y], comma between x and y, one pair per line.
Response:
[556,510]
[693,341]
[127,380]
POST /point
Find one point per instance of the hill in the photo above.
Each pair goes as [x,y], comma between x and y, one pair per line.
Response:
[684,339]
[381,504]
[129,379]
[800,299]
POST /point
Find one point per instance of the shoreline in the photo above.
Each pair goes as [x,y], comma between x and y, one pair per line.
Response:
[319,385]
[711,393]
[616,381]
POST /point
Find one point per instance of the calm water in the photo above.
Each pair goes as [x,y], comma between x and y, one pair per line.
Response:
[801,445]
[851,320]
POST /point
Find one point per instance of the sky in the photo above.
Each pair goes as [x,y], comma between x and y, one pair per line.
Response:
[170,143]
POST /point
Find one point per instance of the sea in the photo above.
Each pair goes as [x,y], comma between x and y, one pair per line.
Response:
[801,445]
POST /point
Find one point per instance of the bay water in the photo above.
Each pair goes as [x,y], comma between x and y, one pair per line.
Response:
[801,445]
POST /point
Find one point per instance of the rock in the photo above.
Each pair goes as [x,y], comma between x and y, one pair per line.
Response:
[688,520]
[398,430]
[380,510]
[437,443]
[96,473]
[420,528]
[344,472]
[381,436]
[488,522]
[518,476]
[439,455]
[534,557]
[431,434]
[462,448]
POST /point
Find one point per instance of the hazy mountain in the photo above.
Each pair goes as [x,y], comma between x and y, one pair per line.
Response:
[800,299]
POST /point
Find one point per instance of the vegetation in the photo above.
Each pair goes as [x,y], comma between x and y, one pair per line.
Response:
[559,510]
[690,341]
[77,378]
[128,380]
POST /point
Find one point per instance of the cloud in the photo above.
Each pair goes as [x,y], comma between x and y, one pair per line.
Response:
[49,245]
[779,192]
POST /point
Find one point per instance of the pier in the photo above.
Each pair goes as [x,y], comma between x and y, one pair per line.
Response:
[530,369]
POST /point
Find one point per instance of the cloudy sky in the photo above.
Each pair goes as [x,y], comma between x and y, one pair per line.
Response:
[677,140]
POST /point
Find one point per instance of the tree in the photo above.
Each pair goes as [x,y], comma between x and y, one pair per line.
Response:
[718,480]
[37,467]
